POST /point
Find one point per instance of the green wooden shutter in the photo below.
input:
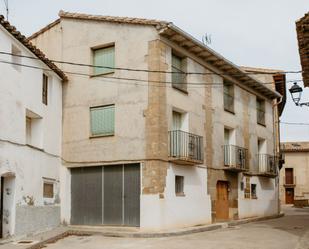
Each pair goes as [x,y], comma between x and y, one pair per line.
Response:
[178,78]
[102,120]
[104,57]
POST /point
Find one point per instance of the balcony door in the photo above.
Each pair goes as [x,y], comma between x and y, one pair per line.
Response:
[289,176]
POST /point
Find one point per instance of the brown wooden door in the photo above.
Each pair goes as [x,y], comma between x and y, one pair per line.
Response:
[289,176]
[289,196]
[222,203]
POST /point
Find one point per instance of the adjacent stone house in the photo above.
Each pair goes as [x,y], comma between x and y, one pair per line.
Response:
[294,176]
[302,28]
[30,136]
[168,145]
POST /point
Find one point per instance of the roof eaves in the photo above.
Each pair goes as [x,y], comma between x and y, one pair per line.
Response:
[248,79]
[26,43]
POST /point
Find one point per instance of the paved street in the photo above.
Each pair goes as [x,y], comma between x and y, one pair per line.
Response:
[289,232]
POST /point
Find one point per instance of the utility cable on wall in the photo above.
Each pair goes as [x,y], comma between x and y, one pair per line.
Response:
[157,83]
[151,71]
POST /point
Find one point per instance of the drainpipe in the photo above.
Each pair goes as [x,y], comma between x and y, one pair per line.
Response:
[277,145]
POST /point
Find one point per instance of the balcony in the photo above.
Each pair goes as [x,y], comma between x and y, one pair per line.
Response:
[267,165]
[289,182]
[185,148]
[235,158]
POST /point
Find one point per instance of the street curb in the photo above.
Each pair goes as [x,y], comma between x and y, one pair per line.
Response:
[186,231]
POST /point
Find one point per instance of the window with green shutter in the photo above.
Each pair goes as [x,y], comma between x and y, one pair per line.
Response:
[104,58]
[102,120]
[178,73]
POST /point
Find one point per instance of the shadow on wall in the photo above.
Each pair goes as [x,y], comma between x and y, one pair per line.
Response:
[266,183]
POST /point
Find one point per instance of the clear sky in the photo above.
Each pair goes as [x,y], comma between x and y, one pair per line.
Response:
[258,33]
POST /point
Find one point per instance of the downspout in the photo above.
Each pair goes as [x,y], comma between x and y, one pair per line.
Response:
[276,131]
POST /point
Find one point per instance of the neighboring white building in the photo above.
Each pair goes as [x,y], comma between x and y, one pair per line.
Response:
[30,136]
[149,149]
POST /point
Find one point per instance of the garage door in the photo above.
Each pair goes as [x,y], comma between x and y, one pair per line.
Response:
[108,195]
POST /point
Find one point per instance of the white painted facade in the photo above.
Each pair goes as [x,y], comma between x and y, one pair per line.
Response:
[174,211]
[26,163]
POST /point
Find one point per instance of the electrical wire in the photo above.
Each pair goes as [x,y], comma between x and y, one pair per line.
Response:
[163,83]
[150,71]
[291,123]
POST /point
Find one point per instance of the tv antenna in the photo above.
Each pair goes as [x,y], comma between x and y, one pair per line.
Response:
[206,39]
[6,3]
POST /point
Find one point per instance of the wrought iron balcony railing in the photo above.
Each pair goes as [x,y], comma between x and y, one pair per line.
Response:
[267,164]
[235,158]
[185,148]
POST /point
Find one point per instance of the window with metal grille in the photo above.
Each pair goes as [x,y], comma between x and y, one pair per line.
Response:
[179,185]
[247,188]
[104,60]
[228,96]
[45,89]
[260,111]
[178,73]
[48,190]
[253,191]
[102,120]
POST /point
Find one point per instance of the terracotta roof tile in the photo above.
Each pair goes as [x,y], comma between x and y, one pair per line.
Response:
[130,20]
[302,28]
[295,146]
[23,40]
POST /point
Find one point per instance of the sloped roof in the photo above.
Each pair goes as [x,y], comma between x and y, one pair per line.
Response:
[295,146]
[279,80]
[302,28]
[217,63]
[24,41]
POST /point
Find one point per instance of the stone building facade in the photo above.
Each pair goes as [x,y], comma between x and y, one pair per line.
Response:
[163,125]
[294,176]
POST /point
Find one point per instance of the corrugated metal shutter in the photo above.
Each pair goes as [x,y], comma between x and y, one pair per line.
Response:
[132,195]
[104,57]
[102,120]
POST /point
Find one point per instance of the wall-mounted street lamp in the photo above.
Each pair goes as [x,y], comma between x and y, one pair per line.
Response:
[296,92]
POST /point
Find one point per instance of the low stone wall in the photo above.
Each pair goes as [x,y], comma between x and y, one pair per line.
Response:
[31,219]
[301,203]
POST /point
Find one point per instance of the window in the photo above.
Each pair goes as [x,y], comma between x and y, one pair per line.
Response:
[247,188]
[48,190]
[228,97]
[260,111]
[179,184]
[45,89]
[178,73]
[16,59]
[102,120]
[105,58]
[34,129]
[253,191]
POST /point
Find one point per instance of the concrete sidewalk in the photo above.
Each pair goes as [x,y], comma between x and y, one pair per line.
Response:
[39,240]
